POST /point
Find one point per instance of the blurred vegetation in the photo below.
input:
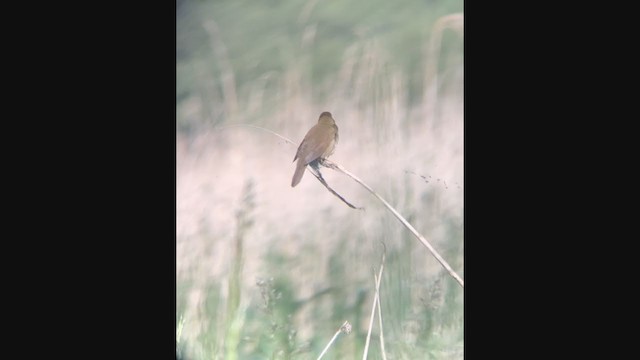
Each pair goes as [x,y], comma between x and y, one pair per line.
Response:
[256,43]
[234,54]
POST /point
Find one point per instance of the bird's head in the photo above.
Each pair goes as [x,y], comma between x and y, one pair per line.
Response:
[326,117]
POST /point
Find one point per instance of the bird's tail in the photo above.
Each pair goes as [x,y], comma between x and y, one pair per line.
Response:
[297,176]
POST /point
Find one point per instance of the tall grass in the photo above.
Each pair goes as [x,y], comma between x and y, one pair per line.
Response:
[266,271]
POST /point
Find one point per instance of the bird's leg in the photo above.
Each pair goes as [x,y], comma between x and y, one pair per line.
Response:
[328,164]
[315,169]
[315,166]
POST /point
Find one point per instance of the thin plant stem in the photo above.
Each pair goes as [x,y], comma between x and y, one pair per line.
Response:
[373,308]
[384,353]
[419,236]
[345,328]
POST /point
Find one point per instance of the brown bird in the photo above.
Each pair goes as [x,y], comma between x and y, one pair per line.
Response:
[318,144]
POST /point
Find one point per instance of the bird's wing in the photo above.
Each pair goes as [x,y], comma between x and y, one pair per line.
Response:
[313,149]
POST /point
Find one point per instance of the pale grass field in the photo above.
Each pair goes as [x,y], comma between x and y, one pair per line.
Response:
[380,140]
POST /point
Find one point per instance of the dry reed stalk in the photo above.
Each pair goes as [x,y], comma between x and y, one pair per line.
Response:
[451,21]
[345,328]
[226,70]
[419,236]
[376,304]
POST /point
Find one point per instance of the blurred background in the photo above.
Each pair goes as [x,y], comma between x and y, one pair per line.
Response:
[267,271]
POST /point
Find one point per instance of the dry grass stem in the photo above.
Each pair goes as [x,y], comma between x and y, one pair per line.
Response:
[382,350]
[345,328]
[422,239]
[373,308]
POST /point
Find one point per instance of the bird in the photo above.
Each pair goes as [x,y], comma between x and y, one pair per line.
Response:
[318,144]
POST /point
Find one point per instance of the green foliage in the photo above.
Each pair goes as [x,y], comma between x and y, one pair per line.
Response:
[259,42]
